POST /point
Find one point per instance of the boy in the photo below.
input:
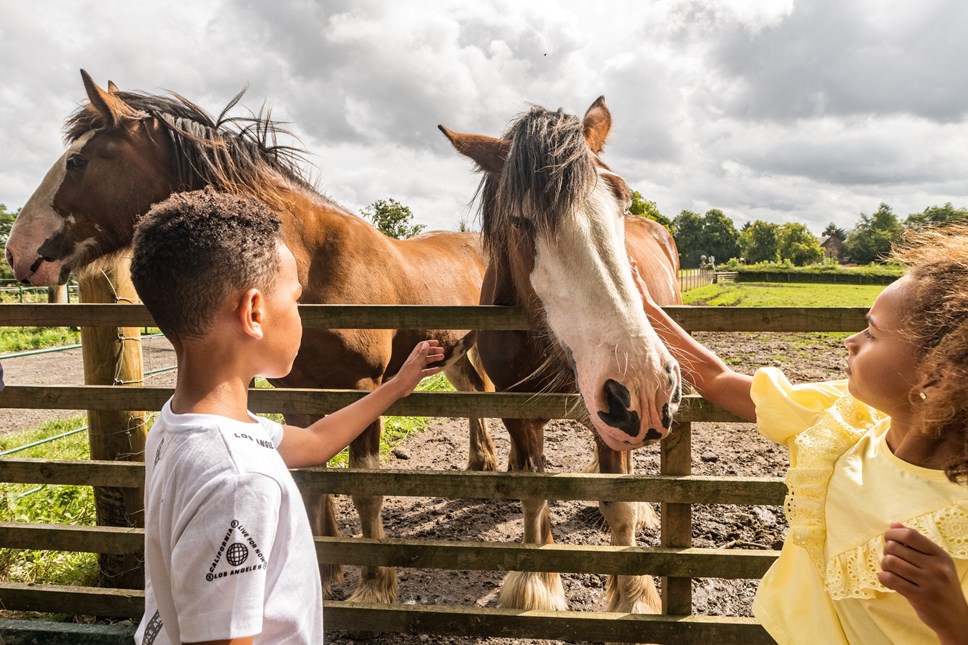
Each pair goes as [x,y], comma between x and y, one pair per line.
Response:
[229,555]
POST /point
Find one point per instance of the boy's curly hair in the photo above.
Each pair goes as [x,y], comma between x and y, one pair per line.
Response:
[194,249]
[937,260]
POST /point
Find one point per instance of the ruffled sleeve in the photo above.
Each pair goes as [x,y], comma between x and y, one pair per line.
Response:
[853,573]
[784,410]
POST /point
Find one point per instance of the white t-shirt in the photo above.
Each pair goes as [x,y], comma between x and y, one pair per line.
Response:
[228,548]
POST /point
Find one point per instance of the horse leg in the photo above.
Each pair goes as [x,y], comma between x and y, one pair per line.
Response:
[531,589]
[626,594]
[467,375]
[645,515]
[377,584]
[322,517]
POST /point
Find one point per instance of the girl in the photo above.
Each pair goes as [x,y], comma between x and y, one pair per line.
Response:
[877,503]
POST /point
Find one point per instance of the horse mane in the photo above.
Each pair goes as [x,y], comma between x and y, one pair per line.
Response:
[549,172]
[237,154]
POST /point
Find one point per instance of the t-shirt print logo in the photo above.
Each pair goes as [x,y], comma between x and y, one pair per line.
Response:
[237,554]
[235,546]
[152,629]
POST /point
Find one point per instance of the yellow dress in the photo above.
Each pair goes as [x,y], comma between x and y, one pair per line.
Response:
[845,487]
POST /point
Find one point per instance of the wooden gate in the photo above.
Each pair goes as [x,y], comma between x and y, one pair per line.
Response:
[675,488]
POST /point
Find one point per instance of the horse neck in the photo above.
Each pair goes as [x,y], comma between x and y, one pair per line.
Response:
[321,233]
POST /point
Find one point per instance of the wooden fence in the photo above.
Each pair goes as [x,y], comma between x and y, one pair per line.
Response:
[694,278]
[675,488]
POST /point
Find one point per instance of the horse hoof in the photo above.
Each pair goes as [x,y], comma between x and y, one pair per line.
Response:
[533,590]
[633,595]
[377,585]
[331,575]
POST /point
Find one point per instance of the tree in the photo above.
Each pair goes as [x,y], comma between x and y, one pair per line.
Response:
[720,238]
[392,218]
[687,231]
[871,239]
[712,234]
[645,208]
[833,230]
[936,216]
[758,242]
[798,245]
[6,223]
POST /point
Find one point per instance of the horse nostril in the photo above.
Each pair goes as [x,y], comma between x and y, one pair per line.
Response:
[9,257]
[619,416]
[615,391]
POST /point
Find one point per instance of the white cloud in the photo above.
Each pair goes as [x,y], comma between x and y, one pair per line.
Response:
[784,111]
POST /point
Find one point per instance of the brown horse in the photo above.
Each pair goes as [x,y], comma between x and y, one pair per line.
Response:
[556,226]
[129,150]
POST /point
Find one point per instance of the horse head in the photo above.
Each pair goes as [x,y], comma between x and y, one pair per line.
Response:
[128,150]
[116,165]
[553,217]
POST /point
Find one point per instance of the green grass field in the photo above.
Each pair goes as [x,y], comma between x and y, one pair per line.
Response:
[760,294]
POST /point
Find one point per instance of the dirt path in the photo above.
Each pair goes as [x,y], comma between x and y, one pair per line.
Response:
[718,449]
[67,368]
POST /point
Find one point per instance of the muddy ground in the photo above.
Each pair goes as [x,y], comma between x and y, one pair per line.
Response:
[718,449]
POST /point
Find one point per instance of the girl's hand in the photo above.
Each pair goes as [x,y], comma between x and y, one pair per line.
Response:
[417,366]
[925,575]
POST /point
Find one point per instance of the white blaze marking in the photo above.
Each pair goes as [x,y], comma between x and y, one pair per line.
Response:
[38,219]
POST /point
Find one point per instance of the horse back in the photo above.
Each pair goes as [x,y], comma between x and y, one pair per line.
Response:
[654,250]
[356,264]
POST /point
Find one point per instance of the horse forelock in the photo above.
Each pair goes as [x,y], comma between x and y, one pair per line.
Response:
[548,175]
[232,154]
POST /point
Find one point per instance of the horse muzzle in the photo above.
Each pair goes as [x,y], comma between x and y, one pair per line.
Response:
[625,421]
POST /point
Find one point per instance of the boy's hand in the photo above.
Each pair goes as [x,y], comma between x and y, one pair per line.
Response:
[417,366]
[925,575]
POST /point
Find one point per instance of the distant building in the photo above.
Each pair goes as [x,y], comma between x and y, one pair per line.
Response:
[833,247]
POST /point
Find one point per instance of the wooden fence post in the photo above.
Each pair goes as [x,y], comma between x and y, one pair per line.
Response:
[57,294]
[112,356]
[676,459]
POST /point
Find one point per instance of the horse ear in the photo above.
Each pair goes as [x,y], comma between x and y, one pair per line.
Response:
[598,121]
[489,153]
[112,88]
[112,109]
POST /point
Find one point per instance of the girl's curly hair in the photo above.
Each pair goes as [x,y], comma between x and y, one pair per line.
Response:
[937,319]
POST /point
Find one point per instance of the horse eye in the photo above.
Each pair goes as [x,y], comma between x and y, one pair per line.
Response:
[76,162]
[522,224]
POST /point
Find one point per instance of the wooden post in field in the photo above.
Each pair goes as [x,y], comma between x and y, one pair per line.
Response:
[676,459]
[57,294]
[112,356]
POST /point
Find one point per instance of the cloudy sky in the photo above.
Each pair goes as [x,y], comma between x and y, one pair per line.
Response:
[779,110]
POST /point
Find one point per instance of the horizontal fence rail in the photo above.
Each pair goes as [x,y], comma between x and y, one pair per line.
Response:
[692,318]
[439,554]
[691,489]
[495,405]
[430,619]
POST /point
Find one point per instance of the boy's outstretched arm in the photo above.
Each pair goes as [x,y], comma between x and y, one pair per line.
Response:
[925,575]
[318,443]
[712,378]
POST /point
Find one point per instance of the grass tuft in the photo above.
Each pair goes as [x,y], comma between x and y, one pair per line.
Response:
[48,505]
[761,294]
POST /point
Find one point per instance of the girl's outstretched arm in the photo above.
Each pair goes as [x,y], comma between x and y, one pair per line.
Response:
[925,575]
[712,378]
